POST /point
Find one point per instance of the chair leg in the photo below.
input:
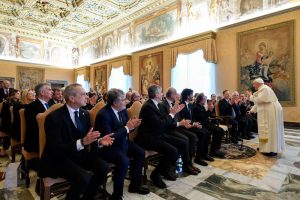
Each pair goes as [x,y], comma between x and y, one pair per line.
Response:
[27,179]
[13,154]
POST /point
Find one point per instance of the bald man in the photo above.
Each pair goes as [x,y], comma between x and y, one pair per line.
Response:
[5,90]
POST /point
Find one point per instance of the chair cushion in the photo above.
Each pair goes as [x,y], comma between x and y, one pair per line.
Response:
[48,181]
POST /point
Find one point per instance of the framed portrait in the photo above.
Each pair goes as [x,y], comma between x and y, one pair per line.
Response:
[29,77]
[151,71]
[268,53]
[57,83]
[30,49]
[101,78]
[10,79]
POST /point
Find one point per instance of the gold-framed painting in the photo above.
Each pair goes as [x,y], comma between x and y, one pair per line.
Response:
[151,71]
[101,78]
[29,77]
[31,49]
[268,52]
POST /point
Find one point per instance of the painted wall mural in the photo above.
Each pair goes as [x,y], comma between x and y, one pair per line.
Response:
[156,29]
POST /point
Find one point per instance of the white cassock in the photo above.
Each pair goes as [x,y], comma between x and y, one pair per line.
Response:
[269,119]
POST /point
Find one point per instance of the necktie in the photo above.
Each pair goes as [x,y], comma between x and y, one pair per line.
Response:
[120,117]
[189,109]
[78,122]
[47,106]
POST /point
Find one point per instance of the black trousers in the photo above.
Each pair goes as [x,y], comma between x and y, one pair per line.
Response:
[121,161]
[204,138]
[163,146]
[181,142]
[192,140]
[217,134]
[77,170]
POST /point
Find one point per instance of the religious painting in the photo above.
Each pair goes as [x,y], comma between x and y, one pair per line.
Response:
[268,53]
[30,49]
[156,28]
[108,45]
[125,38]
[29,77]
[101,78]
[75,56]
[248,7]
[10,79]
[194,14]
[151,71]
[57,83]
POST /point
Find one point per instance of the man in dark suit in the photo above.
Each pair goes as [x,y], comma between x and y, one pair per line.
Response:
[200,115]
[152,135]
[202,134]
[57,97]
[113,118]
[5,90]
[226,109]
[68,131]
[189,138]
[44,93]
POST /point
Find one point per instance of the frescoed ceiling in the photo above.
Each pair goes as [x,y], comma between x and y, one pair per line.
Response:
[66,19]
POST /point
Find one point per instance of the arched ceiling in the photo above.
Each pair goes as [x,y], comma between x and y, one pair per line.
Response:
[67,20]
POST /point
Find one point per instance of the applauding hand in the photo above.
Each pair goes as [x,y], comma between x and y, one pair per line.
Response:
[133,123]
[107,140]
[90,137]
[176,109]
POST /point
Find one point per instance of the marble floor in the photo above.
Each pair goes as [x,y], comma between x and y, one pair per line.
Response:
[257,177]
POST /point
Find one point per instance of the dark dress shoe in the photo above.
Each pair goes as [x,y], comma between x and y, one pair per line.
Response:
[169,177]
[245,137]
[190,171]
[217,153]
[140,190]
[234,141]
[157,181]
[196,168]
[208,158]
[201,162]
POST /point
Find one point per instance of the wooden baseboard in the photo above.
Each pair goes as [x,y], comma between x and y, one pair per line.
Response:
[294,125]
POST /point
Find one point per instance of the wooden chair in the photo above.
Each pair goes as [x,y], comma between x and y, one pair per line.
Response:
[134,111]
[49,187]
[27,155]
[224,122]
[14,144]
[93,112]
[2,134]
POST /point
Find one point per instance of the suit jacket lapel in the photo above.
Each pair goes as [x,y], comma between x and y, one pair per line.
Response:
[154,106]
[70,125]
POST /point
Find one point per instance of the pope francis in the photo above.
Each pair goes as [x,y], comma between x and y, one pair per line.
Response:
[269,119]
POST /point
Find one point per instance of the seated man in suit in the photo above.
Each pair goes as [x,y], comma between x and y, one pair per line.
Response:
[135,96]
[44,93]
[189,138]
[152,135]
[200,115]
[113,118]
[57,97]
[68,131]
[226,109]
[202,134]
[5,90]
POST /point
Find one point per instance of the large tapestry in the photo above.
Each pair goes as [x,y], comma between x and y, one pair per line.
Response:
[29,77]
[151,69]
[268,52]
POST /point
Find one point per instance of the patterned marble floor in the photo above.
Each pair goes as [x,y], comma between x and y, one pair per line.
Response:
[257,177]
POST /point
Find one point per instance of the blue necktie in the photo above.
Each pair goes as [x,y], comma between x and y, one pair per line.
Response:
[47,106]
[120,118]
[78,122]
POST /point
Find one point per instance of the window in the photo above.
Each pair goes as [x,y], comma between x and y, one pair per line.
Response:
[81,81]
[119,80]
[192,71]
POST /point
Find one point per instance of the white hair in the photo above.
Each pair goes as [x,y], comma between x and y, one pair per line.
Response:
[259,80]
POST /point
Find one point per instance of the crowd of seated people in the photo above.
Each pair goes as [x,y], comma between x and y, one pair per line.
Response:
[174,125]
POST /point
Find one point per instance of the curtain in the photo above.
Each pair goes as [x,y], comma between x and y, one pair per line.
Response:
[192,71]
[123,61]
[205,42]
[85,84]
[118,79]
